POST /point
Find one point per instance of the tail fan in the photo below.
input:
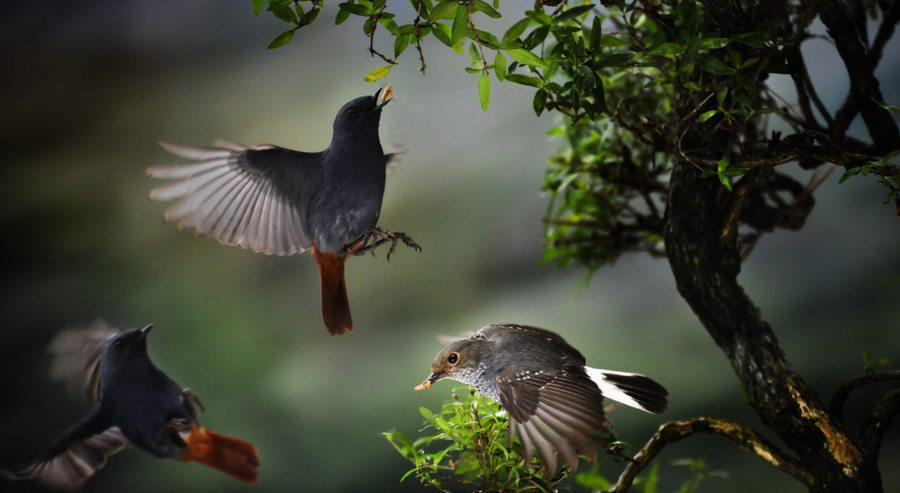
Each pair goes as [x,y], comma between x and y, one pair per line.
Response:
[631,389]
[234,457]
[335,306]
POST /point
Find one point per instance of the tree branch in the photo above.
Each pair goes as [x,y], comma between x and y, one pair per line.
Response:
[876,424]
[863,83]
[859,381]
[744,437]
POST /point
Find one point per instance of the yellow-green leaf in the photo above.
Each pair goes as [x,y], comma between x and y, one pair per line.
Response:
[484,90]
[378,73]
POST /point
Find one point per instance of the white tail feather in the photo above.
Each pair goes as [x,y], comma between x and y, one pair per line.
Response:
[612,390]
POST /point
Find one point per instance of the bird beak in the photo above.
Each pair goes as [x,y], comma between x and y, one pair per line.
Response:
[146,330]
[383,96]
[434,377]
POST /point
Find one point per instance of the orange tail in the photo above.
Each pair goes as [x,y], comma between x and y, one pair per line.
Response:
[335,306]
[234,457]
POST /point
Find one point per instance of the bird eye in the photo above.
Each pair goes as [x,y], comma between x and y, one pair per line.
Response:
[453,358]
[351,112]
[117,344]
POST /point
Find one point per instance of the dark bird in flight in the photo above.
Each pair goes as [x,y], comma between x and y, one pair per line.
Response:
[136,404]
[280,201]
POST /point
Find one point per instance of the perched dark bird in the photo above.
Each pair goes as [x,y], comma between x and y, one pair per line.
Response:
[137,404]
[554,401]
[279,201]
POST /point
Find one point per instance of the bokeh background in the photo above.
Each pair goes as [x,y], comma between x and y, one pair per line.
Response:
[90,87]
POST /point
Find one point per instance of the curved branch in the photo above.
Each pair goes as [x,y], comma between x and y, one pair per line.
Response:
[843,392]
[876,424]
[744,437]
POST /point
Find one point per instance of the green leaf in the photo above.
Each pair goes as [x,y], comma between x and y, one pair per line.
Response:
[536,37]
[378,73]
[725,181]
[475,57]
[847,174]
[355,9]
[889,107]
[442,33]
[596,34]
[443,10]
[482,6]
[487,39]
[526,57]
[539,102]
[516,30]
[400,44]
[484,90]
[284,13]
[390,25]
[714,43]
[500,66]
[666,49]
[706,115]
[720,95]
[311,16]
[525,80]
[341,16]
[460,25]
[870,363]
[713,65]
[257,6]
[573,12]
[281,40]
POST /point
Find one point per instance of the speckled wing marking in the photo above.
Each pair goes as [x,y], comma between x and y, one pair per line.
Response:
[560,409]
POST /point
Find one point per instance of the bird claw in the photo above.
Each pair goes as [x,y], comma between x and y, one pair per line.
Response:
[193,401]
[376,237]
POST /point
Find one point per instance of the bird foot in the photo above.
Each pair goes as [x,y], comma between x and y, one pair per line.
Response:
[617,452]
[376,237]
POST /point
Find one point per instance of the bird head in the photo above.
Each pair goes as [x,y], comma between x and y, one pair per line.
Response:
[458,361]
[126,346]
[362,113]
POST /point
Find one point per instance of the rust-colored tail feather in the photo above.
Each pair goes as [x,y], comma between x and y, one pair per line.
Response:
[335,306]
[234,457]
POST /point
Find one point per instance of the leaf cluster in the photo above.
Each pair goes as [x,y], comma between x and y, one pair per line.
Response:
[640,85]
[467,444]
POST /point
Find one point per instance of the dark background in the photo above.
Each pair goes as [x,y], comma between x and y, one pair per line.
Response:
[89,88]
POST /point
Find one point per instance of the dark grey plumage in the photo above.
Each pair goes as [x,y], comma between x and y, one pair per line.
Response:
[555,401]
[136,404]
[280,201]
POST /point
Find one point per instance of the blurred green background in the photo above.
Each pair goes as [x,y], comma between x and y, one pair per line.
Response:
[89,88]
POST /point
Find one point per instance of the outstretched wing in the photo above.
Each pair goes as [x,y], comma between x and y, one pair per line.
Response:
[558,411]
[252,197]
[75,457]
[76,358]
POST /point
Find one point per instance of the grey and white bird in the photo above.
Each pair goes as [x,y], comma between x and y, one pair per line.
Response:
[554,401]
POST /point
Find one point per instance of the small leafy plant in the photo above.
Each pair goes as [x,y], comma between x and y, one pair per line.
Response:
[468,444]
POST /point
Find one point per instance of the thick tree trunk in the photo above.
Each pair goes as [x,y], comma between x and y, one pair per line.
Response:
[704,255]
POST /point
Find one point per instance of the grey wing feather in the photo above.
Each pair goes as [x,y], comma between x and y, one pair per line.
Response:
[73,466]
[76,358]
[561,411]
[226,198]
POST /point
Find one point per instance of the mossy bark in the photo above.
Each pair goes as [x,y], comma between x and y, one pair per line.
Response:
[706,263]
